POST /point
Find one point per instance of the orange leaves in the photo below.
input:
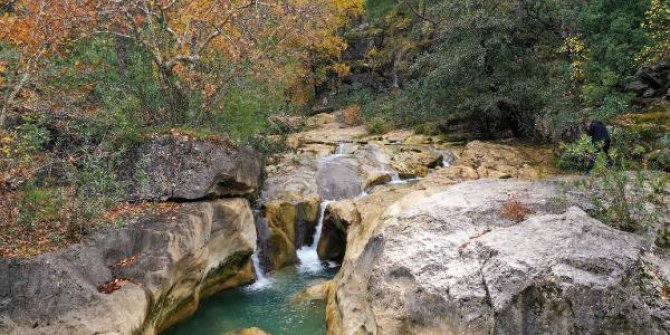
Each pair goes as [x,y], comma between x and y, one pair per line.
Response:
[113,285]
[127,261]
[513,209]
[42,27]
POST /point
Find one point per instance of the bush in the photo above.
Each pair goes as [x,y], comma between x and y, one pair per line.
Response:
[378,126]
[575,156]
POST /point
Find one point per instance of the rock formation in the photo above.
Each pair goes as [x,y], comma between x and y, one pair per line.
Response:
[443,261]
[155,272]
[168,167]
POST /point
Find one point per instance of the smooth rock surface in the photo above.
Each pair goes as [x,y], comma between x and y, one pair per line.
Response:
[179,258]
[443,261]
[168,167]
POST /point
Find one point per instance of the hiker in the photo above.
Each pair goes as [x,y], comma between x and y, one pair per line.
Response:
[600,137]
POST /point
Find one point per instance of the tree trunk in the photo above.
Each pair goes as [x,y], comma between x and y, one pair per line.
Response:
[3,116]
[9,99]
[178,103]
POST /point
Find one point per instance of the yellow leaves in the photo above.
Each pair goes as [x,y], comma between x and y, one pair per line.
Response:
[5,144]
[341,69]
[658,26]
[575,48]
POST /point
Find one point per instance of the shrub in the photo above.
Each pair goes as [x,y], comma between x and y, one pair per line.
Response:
[513,209]
[352,115]
[627,198]
[378,126]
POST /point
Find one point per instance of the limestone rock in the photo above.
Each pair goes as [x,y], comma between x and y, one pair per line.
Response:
[338,178]
[446,262]
[166,264]
[317,291]
[320,119]
[291,225]
[177,167]
[411,161]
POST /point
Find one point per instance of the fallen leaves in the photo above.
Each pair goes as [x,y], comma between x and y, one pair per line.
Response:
[114,285]
[127,261]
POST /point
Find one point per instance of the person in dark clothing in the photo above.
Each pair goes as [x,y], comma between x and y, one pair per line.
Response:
[600,137]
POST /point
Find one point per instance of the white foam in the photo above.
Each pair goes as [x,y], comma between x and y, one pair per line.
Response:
[262,282]
[309,259]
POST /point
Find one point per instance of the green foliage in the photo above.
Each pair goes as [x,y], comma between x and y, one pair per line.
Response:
[657,25]
[378,126]
[40,205]
[618,191]
[613,36]
[629,200]
[528,71]
[575,156]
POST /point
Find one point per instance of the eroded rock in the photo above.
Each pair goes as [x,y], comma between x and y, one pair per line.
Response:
[166,264]
[446,262]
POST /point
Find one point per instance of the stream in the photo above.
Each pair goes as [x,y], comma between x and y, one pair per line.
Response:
[267,303]
[269,308]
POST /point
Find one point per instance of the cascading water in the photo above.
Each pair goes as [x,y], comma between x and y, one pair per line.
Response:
[267,303]
[341,149]
[262,281]
[309,259]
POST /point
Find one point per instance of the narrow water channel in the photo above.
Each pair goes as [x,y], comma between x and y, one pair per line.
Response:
[269,303]
[269,308]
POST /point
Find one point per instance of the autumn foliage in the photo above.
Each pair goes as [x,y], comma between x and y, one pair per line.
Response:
[515,210]
[81,80]
[197,46]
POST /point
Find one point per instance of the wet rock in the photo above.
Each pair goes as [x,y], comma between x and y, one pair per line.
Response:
[446,262]
[317,291]
[292,225]
[337,219]
[178,167]
[163,266]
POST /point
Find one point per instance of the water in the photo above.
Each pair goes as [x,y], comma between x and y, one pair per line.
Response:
[267,303]
[262,281]
[341,149]
[309,259]
[270,308]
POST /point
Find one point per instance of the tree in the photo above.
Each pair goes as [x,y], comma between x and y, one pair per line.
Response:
[182,37]
[32,31]
[492,71]
[657,23]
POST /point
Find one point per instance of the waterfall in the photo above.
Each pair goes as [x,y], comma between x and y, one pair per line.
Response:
[309,259]
[261,280]
[341,149]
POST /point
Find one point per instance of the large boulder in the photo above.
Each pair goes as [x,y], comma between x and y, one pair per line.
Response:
[140,279]
[450,262]
[182,168]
